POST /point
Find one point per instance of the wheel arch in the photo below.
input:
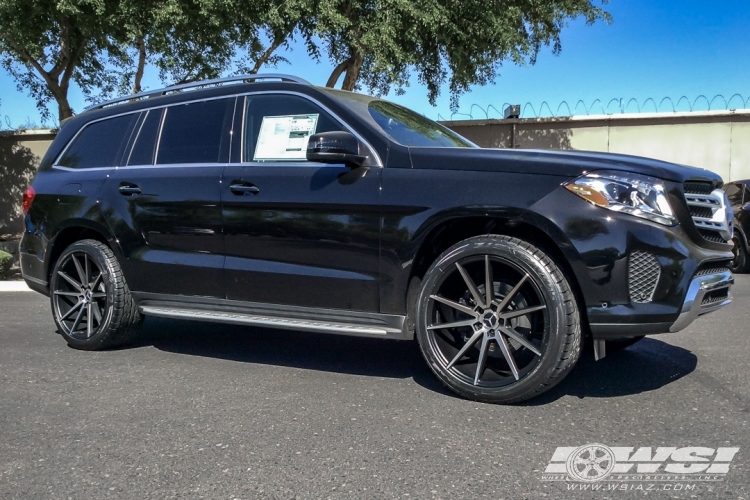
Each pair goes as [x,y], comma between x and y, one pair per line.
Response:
[77,230]
[528,226]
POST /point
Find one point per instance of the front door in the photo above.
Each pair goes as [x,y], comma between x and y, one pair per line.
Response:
[297,232]
[164,202]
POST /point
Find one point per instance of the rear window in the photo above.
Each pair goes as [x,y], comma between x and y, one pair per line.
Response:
[197,132]
[99,144]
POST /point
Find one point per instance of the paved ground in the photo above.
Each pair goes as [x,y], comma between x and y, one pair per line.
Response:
[203,411]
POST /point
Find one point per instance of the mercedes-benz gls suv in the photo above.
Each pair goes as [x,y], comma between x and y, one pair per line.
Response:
[264,200]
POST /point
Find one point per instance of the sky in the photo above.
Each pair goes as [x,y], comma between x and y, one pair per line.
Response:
[652,49]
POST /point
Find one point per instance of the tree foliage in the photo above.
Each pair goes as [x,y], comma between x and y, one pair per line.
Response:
[105,46]
[379,43]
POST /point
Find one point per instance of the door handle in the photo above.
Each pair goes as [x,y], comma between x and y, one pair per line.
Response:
[240,189]
[128,189]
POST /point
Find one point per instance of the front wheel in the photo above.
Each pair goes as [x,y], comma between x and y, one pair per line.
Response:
[741,261]
[91,302]
[497,321]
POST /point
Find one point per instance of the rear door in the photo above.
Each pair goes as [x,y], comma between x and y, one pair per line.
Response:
[297,232]
[164,200]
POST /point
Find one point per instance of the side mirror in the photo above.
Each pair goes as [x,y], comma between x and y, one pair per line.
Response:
[335,147]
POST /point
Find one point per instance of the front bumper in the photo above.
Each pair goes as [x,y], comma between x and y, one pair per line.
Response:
[604,248]
[706,294]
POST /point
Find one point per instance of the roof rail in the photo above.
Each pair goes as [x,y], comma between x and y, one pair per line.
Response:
[202,83]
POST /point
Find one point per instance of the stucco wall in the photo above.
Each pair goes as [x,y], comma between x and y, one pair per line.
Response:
[718,141]
[20,154]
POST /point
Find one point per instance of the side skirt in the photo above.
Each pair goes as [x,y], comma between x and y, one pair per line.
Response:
[336,321]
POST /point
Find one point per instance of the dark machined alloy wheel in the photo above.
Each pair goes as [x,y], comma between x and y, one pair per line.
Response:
[91,303]
[80,297]
[497,321]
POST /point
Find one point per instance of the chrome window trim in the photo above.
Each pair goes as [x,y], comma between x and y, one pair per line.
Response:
[376,156]
[137,135]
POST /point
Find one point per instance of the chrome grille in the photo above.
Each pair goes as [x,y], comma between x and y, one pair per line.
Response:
[713,267]
[643,275]
[710,211]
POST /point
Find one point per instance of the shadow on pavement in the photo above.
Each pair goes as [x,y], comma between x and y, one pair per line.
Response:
[645,366]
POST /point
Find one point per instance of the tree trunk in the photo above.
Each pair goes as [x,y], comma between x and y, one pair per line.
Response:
[352,73]
[141,65]
[336,73]
[63,107]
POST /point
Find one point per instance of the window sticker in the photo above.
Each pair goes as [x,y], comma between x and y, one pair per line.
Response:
[284,137]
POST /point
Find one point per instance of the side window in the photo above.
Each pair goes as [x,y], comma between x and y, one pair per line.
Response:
[734,193]
[197,132]
[99,144]
[145,142]
[278,127]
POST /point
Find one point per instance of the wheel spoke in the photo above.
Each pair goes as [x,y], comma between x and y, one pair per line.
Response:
[482,359]
[455,324]
[97,313]
[69,279]
[466,347]
[68,294]
[489,283]
[77,321]
[71,310]
[86,268]
[96,282]
[88,319]
[521,312]
[512,293]
[507,355]
[510,332]
[81,275]
[454,305]
[98,295]
[472,287]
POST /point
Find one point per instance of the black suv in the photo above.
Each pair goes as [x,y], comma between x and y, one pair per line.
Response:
[263,200]
[738,193]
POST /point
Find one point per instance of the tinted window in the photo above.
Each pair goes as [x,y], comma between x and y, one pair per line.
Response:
[734,193]
[99,144]
[278,127]
[145,143]
[412,129]
[195,132]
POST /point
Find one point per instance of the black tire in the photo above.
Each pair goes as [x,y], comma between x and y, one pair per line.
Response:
[741,261]
[620,344]
[513,372]
[103,312]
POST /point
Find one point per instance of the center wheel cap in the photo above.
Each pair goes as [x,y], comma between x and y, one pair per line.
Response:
[490,320]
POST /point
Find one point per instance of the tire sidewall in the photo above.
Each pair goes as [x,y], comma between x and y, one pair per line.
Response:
[554,343]
[101,261]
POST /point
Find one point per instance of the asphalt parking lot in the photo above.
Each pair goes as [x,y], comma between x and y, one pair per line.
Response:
[196,410]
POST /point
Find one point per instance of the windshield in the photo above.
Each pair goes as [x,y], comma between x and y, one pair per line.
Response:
[412,129]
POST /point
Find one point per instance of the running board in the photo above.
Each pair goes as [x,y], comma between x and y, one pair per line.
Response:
[273,322]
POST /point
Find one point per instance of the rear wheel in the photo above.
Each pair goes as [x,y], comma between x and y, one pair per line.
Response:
[497,321]
[91,302]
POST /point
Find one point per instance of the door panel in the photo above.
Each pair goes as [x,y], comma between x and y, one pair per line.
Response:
[167,216]
[309,236]
[170,232]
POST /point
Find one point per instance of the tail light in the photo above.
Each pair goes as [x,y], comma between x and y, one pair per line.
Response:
[28,199]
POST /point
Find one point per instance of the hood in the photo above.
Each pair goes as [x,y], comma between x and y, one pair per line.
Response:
[561,163]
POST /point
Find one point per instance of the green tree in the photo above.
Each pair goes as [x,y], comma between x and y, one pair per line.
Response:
[380,43]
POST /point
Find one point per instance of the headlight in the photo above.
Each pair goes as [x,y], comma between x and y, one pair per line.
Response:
[632,194]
